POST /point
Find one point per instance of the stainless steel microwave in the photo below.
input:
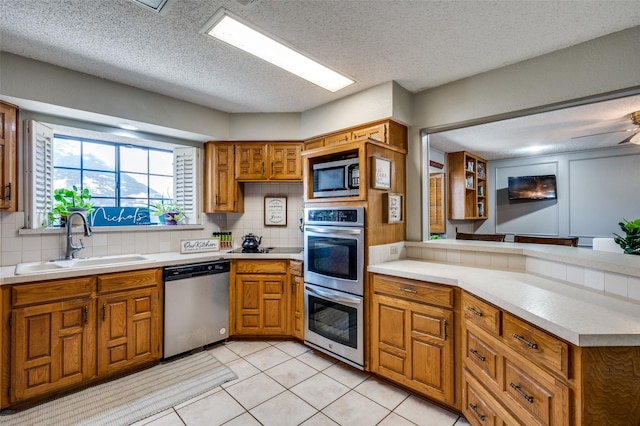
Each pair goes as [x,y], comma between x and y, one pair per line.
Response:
[336,178]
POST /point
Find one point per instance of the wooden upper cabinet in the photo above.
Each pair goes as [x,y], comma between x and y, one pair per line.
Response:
[222,193]
[250,161]
[273,161]
[388,132]
[8,157]
[286,161]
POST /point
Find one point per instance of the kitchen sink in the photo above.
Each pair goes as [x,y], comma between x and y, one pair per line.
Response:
[80,263]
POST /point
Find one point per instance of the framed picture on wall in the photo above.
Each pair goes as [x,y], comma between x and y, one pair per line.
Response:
[275,211]
[392,208]
[380,173]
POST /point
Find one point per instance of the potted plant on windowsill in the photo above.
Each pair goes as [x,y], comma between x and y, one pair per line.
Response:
[67,200]
[169,212]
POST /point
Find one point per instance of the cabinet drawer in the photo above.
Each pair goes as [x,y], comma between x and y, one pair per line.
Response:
[377,132]
[479,407]
[482,357]
[481,313]
[261,267]
[418,291]
[537,345]
[50,291]
[544,400]
[129,280]
[295,267]
[338,139]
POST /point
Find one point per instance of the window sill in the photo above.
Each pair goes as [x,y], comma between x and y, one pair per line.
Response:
[107,229]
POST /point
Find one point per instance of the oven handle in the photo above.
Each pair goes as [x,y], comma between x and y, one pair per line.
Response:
[334,298]
[332,230]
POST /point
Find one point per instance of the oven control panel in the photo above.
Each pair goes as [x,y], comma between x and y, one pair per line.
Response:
[345,216]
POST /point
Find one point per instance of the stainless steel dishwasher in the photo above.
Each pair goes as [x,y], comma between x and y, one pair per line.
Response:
[196,306]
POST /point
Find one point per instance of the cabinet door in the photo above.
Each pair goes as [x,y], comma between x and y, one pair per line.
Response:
[8,157]
[251,161]
[338,139]
[53,347]
[286,161]
[377,132]
[221,191]
[412,344]
[129,331]
[437,222]
[297,293]
[261,304]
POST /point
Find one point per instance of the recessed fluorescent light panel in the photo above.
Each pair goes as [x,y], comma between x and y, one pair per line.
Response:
[155,5]
[236,33]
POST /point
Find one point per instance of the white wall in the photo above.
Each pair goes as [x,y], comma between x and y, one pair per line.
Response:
[598,66]
[33,80]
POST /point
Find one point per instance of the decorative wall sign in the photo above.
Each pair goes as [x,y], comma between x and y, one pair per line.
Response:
[199,246]
[392,208]
[119,216]
[381,173]
[275,211]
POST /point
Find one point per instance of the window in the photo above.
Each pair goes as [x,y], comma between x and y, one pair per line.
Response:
[117,174]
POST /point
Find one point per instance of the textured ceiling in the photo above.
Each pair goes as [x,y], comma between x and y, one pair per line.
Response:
[419,44]
[563,130]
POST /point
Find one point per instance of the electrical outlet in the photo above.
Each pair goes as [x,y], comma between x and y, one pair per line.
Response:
[394,250]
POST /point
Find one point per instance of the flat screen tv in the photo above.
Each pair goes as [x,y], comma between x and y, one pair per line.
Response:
[532,187]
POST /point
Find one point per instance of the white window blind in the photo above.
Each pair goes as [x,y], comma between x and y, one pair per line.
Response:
[38,173]
[186,181]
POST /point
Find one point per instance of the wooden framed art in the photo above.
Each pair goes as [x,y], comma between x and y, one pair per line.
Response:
[392,208]
[380,173]
[275,211]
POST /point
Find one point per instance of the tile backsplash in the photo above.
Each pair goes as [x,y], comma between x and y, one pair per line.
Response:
[16,248]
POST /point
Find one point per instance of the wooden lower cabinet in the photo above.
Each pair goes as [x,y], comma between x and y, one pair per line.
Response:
[412,342]
[53,347]
[260,300]
[128,330]
[297,299]
[67,333]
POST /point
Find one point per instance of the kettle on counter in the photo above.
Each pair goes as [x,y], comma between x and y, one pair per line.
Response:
[251,242]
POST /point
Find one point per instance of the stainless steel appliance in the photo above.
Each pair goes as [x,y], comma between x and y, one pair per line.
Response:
[339,178]
[334,248]
[334,282]
[196,306]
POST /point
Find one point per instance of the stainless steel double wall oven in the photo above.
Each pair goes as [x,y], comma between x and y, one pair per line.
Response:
[334,282]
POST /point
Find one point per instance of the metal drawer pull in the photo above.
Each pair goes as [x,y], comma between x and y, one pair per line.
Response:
[473,311]
[477,413]
[480,357]
[522,394]
[525,341]
[86,315]
[409,290]
[104,312]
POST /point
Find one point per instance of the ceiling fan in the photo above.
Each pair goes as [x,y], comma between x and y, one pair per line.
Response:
[635,132]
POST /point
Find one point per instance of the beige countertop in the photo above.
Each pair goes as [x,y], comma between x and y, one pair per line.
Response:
[155,260]
[580,316]
[579,256]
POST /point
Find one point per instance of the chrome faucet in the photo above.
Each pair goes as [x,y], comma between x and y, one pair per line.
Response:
[71,248]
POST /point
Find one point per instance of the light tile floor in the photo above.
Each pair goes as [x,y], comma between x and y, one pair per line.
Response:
[285,383]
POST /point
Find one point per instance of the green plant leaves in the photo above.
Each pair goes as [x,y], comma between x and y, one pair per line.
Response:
[630,243]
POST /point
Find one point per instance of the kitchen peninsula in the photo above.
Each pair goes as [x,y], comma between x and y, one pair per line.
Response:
[536,342]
